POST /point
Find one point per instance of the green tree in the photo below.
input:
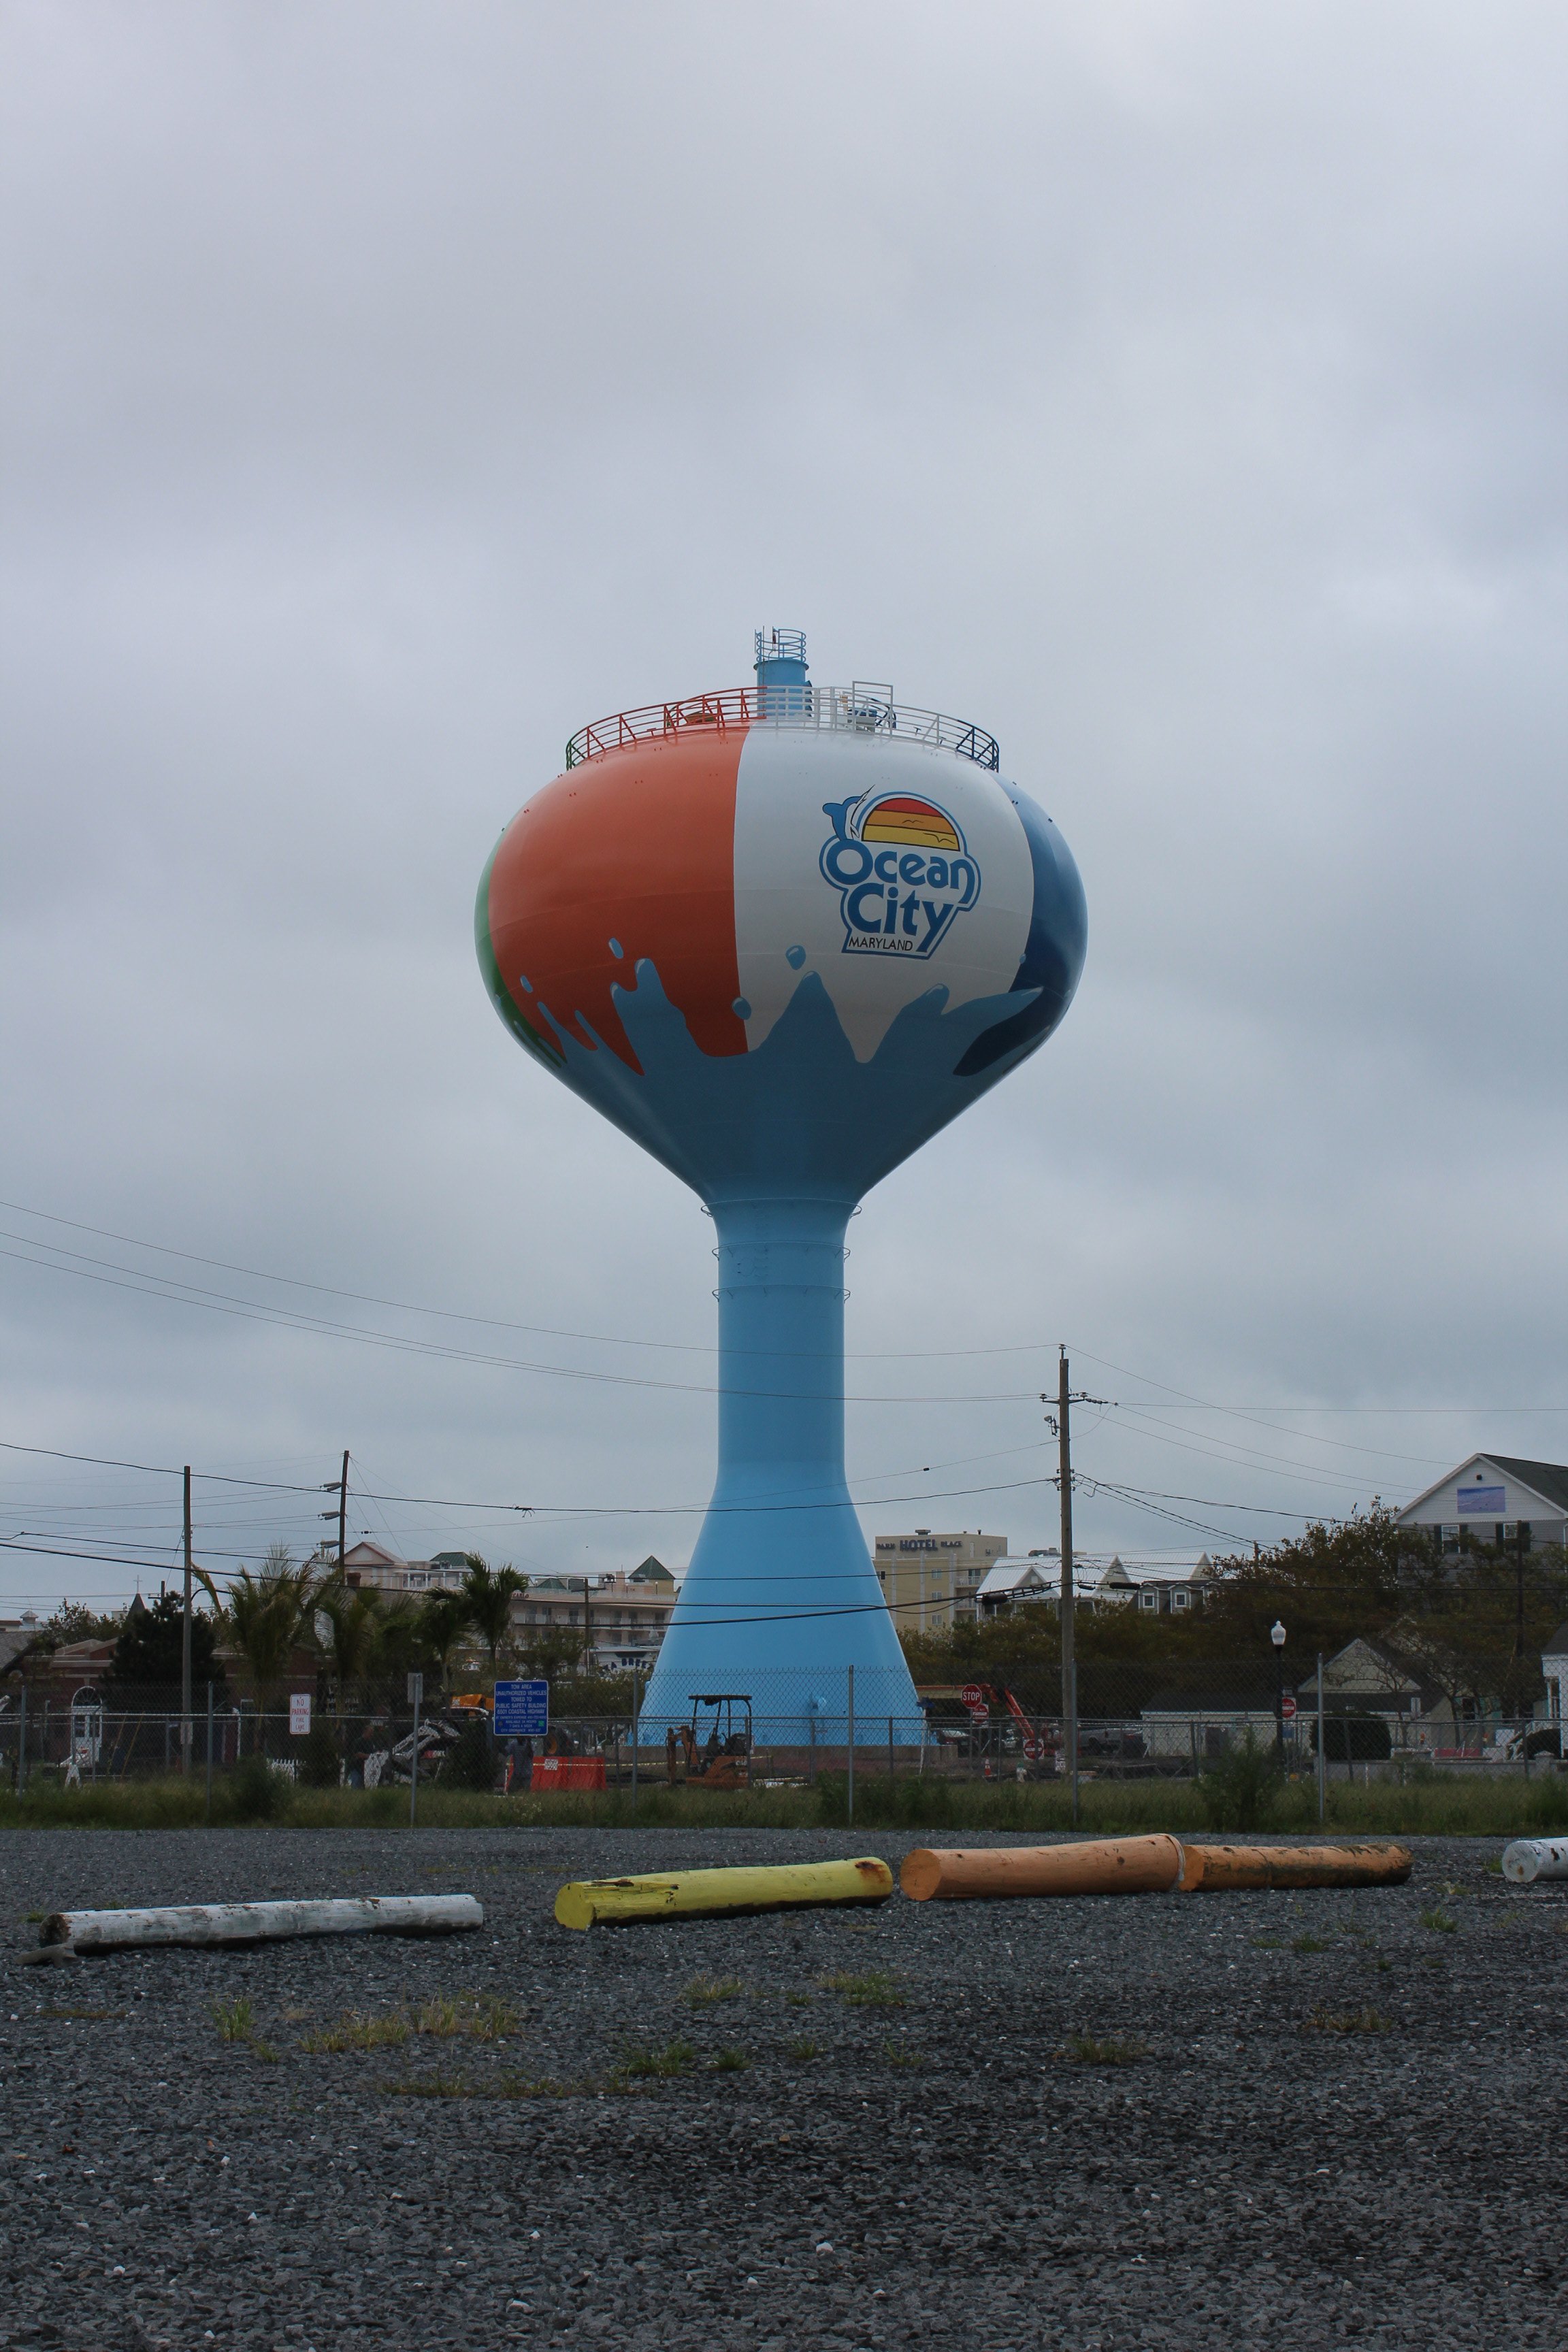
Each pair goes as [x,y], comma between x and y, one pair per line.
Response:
[267,1614]
[73,1621]
[351,1643]
[488,1593]
[149,1648]
[444,1619]
[402,1647]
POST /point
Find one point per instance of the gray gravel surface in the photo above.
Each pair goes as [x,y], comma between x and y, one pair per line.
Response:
[917,2151]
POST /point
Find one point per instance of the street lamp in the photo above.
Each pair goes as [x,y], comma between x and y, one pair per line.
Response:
[1276,1635]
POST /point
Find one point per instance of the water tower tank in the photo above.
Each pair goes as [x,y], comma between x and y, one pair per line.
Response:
[781,936]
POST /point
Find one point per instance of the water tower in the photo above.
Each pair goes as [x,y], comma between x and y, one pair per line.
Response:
[781,935]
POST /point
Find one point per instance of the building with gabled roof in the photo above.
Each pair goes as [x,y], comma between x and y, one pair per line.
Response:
[1494,1498]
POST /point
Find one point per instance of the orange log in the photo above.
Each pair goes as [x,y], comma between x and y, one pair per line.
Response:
[1138,1866]
[1218,1869]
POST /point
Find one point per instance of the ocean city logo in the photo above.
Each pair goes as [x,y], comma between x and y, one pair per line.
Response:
[903,872]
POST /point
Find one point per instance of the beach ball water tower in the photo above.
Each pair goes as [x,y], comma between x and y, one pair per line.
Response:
[781,935]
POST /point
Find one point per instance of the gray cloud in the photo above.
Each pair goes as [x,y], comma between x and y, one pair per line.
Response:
[1176,391]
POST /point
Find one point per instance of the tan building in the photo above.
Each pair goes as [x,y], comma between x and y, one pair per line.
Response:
[930,1580]
[367,1563]
[626,1614]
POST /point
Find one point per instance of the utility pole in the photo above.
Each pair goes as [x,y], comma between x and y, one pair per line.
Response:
[185,1642]
[344,1508]
[1070,1657]
[587,1631]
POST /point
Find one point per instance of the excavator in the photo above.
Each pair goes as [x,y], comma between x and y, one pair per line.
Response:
[722,1759]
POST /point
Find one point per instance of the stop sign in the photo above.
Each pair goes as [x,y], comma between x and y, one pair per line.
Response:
[1288,1707]
[1034,1749]
[972,1696]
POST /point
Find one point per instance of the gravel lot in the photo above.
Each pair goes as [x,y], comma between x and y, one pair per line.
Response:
[857,2174]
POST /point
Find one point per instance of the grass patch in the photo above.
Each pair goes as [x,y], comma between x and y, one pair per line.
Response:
[1441,1923]
[447,2017]
[799,2051]
[1310,1943]
[354,2031]
[1115,2050]
[730,2062]
[877,1990]
[1348,2021]
[899,2054]
[1267,1943]
[432,2086]
[646,2065]
[543,2086]
[236,2021]
[703,1993]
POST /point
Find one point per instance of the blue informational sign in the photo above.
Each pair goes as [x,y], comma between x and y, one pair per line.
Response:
[522,1710]
[1489,1499]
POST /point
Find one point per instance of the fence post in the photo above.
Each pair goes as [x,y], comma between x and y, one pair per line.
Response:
[637,1735]
[1322,1760]
[416,1693]
[890,1764]
[208,1816]
[1072,1693]
[811,1735]
[850,1748]
[22,1745]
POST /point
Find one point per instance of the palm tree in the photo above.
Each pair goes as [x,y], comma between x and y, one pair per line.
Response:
[352,1616]
[444,1620]
[265,1614]
[487,1594]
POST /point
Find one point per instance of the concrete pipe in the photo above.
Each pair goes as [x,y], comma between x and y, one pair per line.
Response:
[1528,1859]
[263,1923]
[1136,1865]
[709,1893]
[1222,1869]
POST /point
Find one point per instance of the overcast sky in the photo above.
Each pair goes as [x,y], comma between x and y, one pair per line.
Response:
[1175,390]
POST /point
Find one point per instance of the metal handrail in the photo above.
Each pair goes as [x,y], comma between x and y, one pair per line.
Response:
[852,709]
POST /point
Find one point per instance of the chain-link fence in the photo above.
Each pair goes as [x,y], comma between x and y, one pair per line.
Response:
[1131,1723]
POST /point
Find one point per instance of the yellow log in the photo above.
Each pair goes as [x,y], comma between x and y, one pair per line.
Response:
[699,1893]
[1216,1869]
[1136,1865]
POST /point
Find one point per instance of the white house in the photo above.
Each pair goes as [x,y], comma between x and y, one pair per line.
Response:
[1494,1498]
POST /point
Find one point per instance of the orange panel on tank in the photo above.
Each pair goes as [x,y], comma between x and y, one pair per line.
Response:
[637,845]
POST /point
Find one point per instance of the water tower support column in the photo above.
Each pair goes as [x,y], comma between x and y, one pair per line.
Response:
[782,1546]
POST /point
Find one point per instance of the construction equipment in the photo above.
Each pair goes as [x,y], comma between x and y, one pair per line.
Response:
[722,1760]
[980,1703]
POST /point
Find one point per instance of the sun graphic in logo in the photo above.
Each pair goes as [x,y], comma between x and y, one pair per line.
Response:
[910,823]
[903,873]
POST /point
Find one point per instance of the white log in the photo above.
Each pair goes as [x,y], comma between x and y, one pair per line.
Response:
[1528,1859]
[261,1923]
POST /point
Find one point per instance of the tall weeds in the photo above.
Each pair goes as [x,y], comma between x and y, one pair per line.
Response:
[1431,1806]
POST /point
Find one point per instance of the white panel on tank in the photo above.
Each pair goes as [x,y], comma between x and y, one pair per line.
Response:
[788,918]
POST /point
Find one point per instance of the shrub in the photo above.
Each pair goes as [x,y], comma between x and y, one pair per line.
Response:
[472,1763]
[1242,1789]
[1355,1738]
[320,1766]
[252,1791]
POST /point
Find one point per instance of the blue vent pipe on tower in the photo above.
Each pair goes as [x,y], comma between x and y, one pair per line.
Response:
[782,688]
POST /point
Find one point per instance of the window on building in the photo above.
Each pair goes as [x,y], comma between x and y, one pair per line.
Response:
[1148,1600]
[1181,1598]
